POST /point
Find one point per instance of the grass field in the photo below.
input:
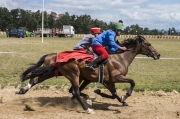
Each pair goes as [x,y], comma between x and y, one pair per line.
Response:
[148,74]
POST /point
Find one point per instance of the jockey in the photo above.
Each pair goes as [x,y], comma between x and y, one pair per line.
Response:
[86,42]
[107,38]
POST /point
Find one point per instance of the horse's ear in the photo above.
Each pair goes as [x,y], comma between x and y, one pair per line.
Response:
[139,36]
[138,40]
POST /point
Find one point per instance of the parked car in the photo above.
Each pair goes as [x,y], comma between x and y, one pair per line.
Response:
[29,34]
[17,33]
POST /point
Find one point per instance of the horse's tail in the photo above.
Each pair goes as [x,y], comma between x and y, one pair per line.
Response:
[33,67]
[43,71]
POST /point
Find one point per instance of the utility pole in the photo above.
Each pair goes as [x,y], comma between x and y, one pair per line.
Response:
[19,13]
[42,20]
[171,26]
[1,19]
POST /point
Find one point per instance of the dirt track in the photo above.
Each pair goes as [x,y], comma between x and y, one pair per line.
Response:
[56,104]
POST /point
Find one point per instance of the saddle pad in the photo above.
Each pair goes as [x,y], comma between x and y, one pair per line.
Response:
[74,54]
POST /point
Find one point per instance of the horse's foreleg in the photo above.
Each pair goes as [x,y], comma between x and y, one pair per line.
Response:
[76,93]
[84,84]
[114,95]
[129,92]
[112,89]
[119,99]
[80,80]
[85,96]
[72,73]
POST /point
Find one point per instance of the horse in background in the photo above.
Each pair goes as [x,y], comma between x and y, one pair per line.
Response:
[115,70]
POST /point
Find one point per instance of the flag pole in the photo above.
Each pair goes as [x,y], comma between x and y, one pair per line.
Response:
[42,29]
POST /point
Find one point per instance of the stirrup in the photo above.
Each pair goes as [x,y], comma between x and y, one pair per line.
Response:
[91,67]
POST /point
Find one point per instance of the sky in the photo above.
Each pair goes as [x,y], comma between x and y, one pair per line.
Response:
[154,14]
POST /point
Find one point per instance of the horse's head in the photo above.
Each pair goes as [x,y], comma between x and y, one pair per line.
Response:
[146,48]
[141,46]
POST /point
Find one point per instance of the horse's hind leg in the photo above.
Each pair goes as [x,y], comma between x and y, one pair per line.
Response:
[34,81]
[23,90]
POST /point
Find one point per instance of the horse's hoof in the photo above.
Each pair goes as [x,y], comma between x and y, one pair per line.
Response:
[123,98]
[17,92]
[21,91]
[97,91]
[89,101]
[90,111]
[124,104]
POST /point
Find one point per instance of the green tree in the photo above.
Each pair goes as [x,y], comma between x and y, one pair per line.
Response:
[51,21]
[135,29]
[32,20]
[162,32]
[5,19]
[146,31]
[172,31]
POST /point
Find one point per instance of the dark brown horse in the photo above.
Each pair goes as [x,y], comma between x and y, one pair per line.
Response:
[115,70]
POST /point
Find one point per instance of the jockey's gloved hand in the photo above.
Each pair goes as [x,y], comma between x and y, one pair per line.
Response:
[123,48]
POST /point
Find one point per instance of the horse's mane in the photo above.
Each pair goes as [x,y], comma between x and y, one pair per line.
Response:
[129,41]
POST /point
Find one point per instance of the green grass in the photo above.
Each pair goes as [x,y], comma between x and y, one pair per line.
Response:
[148,74]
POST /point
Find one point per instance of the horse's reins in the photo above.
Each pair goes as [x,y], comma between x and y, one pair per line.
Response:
[119,51]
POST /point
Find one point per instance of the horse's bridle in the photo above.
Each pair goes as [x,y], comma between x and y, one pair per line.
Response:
[146,47]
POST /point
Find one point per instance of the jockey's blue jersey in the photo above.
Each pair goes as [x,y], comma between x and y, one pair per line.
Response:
[107,38]
[85,42]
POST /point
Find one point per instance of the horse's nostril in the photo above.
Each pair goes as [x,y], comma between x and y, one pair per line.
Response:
[158,56]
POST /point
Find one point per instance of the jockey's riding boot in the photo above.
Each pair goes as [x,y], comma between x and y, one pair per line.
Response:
[96,61]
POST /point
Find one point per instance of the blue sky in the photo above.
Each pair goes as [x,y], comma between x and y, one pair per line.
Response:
[159,14]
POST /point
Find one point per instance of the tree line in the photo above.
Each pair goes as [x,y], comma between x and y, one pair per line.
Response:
[30,20]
